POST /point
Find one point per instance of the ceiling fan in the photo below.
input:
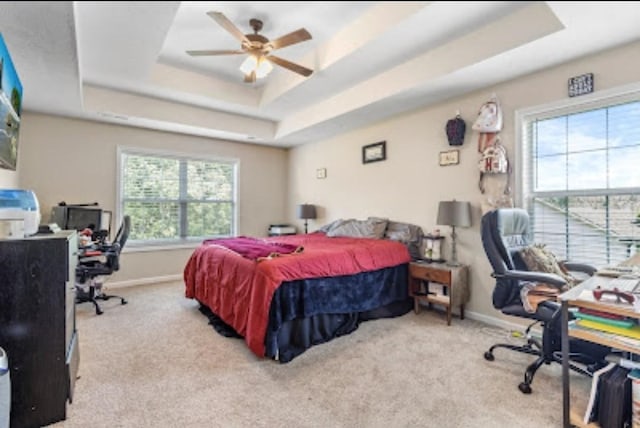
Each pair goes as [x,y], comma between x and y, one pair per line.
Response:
[259,48]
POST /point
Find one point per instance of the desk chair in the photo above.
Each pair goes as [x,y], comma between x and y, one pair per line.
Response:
[504,233]
[101,260]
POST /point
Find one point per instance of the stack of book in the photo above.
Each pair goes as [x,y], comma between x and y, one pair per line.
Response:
[614,327]
[606,321]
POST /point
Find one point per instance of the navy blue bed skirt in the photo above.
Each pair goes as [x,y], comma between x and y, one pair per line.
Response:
[308,312]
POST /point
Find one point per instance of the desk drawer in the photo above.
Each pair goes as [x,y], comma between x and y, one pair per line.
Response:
[431,274]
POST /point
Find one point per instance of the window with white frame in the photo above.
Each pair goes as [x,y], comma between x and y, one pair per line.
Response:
[581,178]
[174,198]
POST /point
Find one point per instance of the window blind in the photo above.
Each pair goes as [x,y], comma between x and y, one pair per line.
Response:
[581,180]
[175,198]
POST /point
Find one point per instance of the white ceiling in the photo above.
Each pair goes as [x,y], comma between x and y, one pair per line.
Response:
[125,62]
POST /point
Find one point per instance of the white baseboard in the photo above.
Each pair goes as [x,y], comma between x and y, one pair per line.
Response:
[498,322]
[144,281]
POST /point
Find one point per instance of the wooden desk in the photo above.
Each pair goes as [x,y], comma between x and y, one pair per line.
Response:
[580,296]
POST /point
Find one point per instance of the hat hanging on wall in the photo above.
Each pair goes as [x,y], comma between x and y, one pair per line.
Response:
[455,129]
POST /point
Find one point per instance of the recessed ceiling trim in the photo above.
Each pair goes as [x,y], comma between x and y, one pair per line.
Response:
[374,22]
[523,26]
[168,76]
[137,106]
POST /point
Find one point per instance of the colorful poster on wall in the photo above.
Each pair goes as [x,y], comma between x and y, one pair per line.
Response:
[10,109]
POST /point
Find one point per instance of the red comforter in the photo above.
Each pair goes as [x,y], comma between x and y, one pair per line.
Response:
[239,290]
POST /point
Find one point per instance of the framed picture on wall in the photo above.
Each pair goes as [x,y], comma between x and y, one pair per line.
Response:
[451,157]
[374,152]
[10,109]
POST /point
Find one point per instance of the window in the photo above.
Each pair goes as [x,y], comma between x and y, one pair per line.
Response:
[581,178]
[173,198]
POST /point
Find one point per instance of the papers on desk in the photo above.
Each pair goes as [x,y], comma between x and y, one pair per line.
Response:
[614,271]
[586,295]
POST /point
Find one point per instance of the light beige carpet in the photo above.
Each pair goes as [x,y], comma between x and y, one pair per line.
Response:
[157,363]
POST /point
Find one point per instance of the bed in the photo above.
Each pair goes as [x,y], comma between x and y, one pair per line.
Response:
[284,303]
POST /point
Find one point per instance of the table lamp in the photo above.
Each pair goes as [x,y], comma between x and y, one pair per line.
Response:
[454,213]
[306,212]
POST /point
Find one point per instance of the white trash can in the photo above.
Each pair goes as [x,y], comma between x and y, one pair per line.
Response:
[5,390]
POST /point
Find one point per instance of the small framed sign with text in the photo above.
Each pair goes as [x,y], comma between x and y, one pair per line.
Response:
[451,157]
[581,85]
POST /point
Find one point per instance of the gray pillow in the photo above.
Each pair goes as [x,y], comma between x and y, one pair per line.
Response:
[398,231]
[327,227]
[370,228]
[379,225]
[407,233]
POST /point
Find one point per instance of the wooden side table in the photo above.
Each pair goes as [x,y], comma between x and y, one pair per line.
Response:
[454,281]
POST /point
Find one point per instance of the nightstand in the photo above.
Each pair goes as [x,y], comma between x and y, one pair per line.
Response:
[425,278]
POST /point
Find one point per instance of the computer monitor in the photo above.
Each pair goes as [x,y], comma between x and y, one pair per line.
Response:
[80,218]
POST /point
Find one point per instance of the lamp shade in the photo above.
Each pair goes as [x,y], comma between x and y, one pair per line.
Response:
[454,213]
[306,211]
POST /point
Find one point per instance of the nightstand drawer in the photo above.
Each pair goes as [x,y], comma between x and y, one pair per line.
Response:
[430,274]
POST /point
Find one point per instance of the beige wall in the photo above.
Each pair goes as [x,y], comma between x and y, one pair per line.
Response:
[75,161]
[409,184]
[9,179]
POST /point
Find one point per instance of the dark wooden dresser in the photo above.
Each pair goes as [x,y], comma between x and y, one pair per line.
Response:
[37,325]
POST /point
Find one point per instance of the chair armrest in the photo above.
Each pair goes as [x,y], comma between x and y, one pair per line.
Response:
[579,267]
[547,278]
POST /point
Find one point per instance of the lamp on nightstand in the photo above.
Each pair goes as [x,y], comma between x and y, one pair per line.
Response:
[454,213]
[306,212]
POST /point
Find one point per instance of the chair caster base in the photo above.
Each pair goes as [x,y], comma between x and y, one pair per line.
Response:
[525,388]
[489,356]
[123,302]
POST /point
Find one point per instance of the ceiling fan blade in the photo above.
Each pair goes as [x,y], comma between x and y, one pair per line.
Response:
[250,78]
[296,68]
[290,39]
[229,26]
[213,52]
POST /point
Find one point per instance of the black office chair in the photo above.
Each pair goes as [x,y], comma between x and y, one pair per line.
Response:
[101,260]
[504,233]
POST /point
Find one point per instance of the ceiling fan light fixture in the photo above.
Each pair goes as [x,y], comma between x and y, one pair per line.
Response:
[260,61]
[249,64]
[264,67]
[260,65]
